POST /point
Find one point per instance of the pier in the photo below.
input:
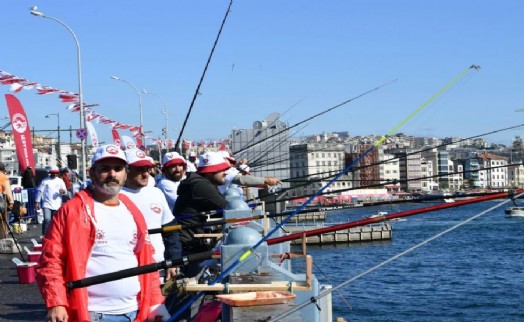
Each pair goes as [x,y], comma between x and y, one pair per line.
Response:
[378,232]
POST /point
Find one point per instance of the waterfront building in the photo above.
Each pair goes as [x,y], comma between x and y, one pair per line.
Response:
[428,182]
[313,165]
[494,173]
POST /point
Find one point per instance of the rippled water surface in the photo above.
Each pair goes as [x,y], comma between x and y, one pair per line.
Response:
[473,273]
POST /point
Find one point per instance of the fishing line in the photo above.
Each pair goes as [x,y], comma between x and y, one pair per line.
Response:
[329,281]
[319,114]
[197,91]
[252,249]
[374,268]
[383,162]
[271,125]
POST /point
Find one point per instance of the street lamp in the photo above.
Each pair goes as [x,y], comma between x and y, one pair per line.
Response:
[164,111]
[80,96]
[141,134]
[58,151]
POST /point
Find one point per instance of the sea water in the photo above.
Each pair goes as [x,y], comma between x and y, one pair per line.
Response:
[473,273]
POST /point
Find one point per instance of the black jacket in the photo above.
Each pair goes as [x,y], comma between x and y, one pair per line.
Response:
[195,194]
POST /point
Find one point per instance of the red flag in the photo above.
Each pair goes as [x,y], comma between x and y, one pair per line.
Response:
[116,138]
[21,132]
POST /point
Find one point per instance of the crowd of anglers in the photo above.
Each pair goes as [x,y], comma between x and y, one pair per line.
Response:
[106,227]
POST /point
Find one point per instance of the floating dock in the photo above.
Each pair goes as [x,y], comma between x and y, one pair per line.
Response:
[378,232]
[308,216]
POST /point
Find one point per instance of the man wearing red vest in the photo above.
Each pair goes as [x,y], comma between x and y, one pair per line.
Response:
[99,231]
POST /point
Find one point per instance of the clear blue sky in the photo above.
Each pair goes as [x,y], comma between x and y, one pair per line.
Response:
[271,55]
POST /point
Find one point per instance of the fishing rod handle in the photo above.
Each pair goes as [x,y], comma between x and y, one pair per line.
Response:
[104,278]
[191,258]
[134,271]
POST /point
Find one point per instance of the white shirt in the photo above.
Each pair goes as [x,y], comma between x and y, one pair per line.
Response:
[113,250]
[153,205]
[48,192]
[169,189]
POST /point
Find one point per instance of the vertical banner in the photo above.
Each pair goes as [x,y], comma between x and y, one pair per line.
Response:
[21,132]
[140,144]
[92,134]
[128,142]
[116,138]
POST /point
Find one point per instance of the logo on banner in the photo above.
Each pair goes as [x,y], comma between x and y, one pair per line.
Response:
[19,123]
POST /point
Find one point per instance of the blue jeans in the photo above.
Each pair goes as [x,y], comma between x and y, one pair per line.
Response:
[48,215]
[101,317]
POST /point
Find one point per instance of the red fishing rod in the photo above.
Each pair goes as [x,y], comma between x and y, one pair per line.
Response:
[401,214]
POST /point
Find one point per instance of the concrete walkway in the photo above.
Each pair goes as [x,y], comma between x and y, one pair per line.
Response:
[20,302]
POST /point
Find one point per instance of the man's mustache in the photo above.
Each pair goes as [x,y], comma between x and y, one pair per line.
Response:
[111,180]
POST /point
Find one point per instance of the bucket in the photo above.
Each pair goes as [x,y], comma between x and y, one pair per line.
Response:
[26,273]
[33,257]
[36,246]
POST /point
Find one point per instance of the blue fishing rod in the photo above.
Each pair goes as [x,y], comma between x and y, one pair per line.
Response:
[252,249]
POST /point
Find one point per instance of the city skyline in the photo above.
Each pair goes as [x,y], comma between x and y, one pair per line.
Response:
[296,59]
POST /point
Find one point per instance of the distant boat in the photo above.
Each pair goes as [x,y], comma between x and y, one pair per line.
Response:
[514,211]
[378,214]
[449,200]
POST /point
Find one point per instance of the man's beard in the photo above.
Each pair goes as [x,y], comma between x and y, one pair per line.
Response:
[109,187]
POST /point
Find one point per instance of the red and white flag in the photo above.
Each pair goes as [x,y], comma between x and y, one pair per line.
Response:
[21,132]
[116,138]
[92,133]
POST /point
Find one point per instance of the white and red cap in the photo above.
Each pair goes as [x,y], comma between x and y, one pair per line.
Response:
[212,162]
[138,158]
[228,156]
[108,151]
[54,169]
[172,158]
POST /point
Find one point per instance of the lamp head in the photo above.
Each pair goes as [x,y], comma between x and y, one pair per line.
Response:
[34,12]
[114,77]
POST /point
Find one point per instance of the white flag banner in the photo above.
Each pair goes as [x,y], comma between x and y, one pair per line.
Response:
[128,142]
[92,134]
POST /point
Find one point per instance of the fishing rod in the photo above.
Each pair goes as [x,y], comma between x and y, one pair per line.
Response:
[197,91]
[318,114]
[392,182]
[384,161]
[134,271]
[179,227]
[294,179]
[368,221]
[252,249]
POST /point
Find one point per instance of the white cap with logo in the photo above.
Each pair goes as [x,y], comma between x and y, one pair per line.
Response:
[108,151]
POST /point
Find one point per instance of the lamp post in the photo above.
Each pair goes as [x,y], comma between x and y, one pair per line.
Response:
[141,134]
[58,151]
[164,111]
[80,96]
